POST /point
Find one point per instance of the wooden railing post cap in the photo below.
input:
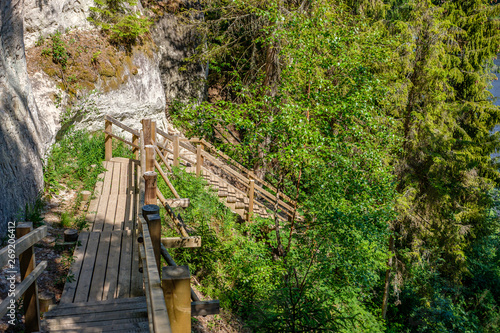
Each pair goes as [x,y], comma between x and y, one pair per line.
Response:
[175,273]
[24,225]
[149,210]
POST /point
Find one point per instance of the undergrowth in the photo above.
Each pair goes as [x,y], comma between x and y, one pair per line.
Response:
[233,263]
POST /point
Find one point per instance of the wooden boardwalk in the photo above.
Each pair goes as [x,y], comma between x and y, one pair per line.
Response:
[106,266]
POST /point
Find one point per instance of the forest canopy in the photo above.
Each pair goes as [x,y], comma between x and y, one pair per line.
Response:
[376,117]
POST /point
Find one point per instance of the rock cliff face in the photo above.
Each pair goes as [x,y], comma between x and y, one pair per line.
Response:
[33,98]
[140,96]
[175,43]
[134,96]
[44,17]
[22,130]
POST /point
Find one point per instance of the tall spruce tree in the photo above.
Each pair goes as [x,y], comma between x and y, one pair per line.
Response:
[445,173]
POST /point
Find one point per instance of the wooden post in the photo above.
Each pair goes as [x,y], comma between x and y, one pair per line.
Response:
[143,151]
[152,217]
[26,265]
[250,200]
[146,128]
[153,132]
[150,157]
[108,143]
[176,150]
[150,188]
[199,160]
[135,141]
[177,293]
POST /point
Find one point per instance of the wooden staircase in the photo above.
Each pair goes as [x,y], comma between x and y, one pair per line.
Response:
[232,197]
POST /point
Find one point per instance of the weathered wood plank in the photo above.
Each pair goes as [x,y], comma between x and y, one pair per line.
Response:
[158,307]
[123,177]
[68,293]
[98,318]
[121,211]
[101,261]
[135,317]
[83,288]
[182,202]
[136,283]
[117,304]
[184,242]
[124,276]
[111,280]
[108,174]
[109,221]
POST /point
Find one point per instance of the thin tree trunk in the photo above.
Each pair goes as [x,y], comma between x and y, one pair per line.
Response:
[387,279]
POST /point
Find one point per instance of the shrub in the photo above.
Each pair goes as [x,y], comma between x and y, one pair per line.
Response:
[115,18]
[129,28]
[59,53]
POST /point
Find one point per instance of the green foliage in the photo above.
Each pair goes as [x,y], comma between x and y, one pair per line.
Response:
[376,115]
[129,28]
[66,220]
[72,158]
[117,19]
[33,212]
[59,53]
[303,92]
[40,41]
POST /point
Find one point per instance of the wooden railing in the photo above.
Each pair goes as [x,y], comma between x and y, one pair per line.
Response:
[167,289]
[225,163]
[230,168]
[23,248]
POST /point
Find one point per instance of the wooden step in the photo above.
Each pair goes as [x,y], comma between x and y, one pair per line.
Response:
[116,315]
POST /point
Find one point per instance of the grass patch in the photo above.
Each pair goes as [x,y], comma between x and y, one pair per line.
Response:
[76,162]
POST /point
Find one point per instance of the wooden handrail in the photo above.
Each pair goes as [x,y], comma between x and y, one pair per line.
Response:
[286,207]
[241,167]
[23,286]
[165,178]
[159,314]
[171,213]
[165,134]
[23,248]
[239,176]
[121,125]
[245,181]
[122,139]
[23,243]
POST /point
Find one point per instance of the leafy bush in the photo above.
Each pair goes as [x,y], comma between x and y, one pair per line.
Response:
[129,28]
[59,53]
[237,265]
[117,19]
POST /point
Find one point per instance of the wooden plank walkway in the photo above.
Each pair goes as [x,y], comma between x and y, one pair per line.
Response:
[105,271]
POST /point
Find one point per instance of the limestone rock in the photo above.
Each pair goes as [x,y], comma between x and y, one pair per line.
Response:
[44,17]
[175,43]
[140,96]
[22,132]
